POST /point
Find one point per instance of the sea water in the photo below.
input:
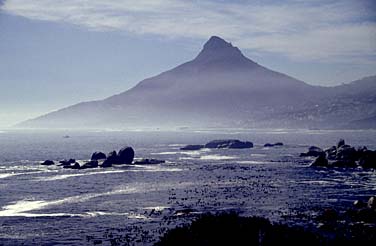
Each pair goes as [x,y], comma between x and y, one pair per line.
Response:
[138,203]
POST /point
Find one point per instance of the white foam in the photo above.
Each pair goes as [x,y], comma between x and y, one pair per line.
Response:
[258,155]
[156,208]
[251,162]
[195,152]
[6,175]
[217,157]
[154,168]
[166,153]
[65,176]
[187,158]
[319,182]
[21,208]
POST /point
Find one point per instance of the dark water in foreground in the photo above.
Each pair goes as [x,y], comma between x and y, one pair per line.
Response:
[51,205]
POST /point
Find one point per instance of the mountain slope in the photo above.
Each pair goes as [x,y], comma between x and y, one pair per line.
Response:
[220,87]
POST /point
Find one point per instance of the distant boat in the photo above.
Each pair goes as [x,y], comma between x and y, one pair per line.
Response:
[66,136]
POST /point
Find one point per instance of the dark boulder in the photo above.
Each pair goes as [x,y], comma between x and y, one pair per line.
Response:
[228,143]
[368,159]
[125,155]
[346,152]
[47,163]
[331,153]
[106,163]
[313,151]
[240,145]
[75,165]
[112,158]
[90,164]
[192,147]
[358,204]
[320,161]
[344,163]
[149,161]
[98,156]
[67,163]
[340,143]
[273,145]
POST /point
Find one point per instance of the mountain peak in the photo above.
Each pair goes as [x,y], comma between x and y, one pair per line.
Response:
[216,42]
[217,50]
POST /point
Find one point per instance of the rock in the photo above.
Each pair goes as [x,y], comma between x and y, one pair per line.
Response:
[76,165]
[328,214]
[192,147]
[368,159]
[67,163]
[267,145]
[313,151]
[241,145]
[359,204]
[344,163]
[112,158]
[98,156]
[331,153]
[106,163]
[90,164]
[149,161]
[346,152]
[125,155]
[320,161]
[47,163]
[340,143]
[228,143]
[371,204]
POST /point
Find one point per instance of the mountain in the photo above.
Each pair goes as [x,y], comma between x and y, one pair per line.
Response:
[219,88]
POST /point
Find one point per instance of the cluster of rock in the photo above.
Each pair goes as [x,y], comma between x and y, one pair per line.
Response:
[342,155]
[98,159]
[221,144]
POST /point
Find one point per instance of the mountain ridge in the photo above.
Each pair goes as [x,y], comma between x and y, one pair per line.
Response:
[219,86]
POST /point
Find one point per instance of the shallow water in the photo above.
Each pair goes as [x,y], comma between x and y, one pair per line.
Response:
[41,205]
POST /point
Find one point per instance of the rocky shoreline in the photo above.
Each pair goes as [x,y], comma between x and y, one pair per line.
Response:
[332,226]
[342,155]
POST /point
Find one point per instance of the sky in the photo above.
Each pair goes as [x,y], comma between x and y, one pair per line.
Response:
[55,53]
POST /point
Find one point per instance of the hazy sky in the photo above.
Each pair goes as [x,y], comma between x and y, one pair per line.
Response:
[54,53]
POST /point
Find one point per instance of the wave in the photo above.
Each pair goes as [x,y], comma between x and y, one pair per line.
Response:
[23,207]
[217,157]
[166,153]
[251,162]
[258,155]
[139,168]
[7,175]
[65,176]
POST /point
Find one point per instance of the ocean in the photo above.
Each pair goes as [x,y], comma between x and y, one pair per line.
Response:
[136,204]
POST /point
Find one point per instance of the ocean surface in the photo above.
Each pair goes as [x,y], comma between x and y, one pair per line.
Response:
[136,204]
